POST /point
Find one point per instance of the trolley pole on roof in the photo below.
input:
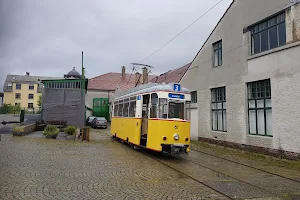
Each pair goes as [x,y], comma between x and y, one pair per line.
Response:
[146,69]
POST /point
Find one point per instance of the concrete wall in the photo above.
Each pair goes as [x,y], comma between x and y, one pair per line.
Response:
[91,94]
[281,65]
[64,104]
[9,97]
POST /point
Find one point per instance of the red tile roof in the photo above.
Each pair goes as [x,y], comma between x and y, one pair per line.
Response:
[172,76]
[112,80]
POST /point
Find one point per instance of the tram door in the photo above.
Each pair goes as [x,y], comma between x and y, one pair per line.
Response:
[145,112]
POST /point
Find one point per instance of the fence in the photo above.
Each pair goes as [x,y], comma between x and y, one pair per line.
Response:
[17,110]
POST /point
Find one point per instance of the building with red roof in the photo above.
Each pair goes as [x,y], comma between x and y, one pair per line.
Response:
[171,76]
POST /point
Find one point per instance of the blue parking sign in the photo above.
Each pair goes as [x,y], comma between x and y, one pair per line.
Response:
[177,87]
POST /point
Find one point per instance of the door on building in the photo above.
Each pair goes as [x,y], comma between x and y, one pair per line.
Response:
[101,108]
[145,116]
[194,124]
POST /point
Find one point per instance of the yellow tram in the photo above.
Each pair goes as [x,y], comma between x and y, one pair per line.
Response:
[153,116]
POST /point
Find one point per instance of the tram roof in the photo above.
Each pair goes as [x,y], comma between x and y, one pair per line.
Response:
[148,88]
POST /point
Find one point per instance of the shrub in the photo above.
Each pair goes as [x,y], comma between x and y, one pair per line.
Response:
[70,130]
[51,131]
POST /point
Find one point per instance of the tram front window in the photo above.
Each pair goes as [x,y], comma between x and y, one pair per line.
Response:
[176,110]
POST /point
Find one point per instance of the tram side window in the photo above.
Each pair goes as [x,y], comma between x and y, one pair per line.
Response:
[154,102]
[125,108]
[163,108]
[116,109]
[120,109]
[132,107]
[176,110]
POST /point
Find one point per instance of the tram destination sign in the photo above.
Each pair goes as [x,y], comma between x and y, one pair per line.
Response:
[176,96]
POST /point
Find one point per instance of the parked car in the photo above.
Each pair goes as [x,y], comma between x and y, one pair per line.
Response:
[99,122]
[89,120]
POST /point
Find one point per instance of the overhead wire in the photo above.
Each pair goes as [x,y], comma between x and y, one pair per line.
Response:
[175,37]
[181,31]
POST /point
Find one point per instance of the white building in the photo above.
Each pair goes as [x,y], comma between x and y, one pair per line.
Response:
[247,94]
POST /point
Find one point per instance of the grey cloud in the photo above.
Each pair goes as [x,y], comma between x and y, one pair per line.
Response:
[47,37]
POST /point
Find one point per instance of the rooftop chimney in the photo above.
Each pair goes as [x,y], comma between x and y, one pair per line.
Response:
[123,72]
[145,75]
[27,74]
[137,78]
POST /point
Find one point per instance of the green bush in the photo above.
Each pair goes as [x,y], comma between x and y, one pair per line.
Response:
[51,131]
[70,130]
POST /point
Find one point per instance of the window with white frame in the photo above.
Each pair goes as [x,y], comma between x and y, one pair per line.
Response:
[126,107]
[194,97]
[31,87]
[217,57]
[18,96]
[9,86]
[268,34]
[260,108]
[132,107]
[116,107]
[18,86]
[218,97]
[154,105]
[163,108]
[30,96]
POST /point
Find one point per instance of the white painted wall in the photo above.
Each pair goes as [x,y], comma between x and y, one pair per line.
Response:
[281,65]
[194,124]
[91,94]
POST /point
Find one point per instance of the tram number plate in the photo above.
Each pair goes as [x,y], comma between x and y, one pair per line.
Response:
[177,87]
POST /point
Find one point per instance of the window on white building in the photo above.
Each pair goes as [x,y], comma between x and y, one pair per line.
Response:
[194,97]
[268,34]
[217,57]
[260,108]
[219,122]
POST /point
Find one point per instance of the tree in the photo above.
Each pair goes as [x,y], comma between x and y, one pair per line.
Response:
[39,102]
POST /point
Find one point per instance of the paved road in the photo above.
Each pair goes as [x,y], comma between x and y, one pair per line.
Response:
[32,168]
[7,129]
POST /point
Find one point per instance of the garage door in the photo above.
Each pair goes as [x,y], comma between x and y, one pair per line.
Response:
[194,124]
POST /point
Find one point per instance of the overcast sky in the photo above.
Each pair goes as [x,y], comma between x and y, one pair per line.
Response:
[46,37]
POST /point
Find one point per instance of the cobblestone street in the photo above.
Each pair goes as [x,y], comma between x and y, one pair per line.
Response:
[34,168]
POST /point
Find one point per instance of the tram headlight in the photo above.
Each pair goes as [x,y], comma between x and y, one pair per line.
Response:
[176,136]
